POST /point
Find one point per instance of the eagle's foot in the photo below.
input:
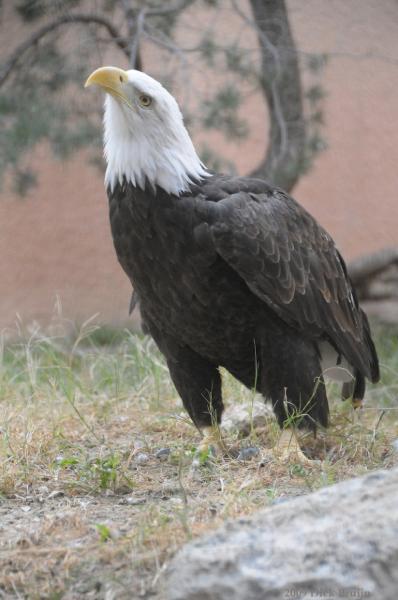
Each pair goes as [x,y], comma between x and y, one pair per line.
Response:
[287,450]
[357,403]
[211,445]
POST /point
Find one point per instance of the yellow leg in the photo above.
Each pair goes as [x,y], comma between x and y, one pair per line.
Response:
[357,402]
[212,441]
[210,445]
[287,449]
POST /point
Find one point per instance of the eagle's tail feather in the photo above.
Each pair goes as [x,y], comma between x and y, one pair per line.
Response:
[354,389]
[374,361]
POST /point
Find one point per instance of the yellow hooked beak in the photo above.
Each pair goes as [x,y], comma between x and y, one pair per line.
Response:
[112,80]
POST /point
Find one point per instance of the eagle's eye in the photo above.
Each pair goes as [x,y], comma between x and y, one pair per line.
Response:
[145,100]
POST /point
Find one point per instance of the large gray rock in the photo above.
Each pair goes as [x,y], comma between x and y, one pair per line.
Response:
[340,542]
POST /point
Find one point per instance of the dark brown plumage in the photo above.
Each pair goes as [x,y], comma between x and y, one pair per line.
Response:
[229,272]
[235,273]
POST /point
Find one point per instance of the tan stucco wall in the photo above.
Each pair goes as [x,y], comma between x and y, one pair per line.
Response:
[57,241]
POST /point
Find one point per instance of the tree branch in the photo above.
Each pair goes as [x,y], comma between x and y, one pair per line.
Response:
[280,81]
[367,267]
[135,25]
[17,54]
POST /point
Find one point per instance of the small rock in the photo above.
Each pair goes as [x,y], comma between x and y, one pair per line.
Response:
[55,494]
[141,458]
[248,453]
[132,500]
[242,417]
[266,459]
[395,445]
[163,453]
[176,500]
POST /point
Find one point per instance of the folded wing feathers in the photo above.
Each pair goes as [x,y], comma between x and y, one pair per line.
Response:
[289,261]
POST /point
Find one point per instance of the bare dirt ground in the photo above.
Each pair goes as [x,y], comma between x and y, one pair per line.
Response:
[58,542]
[96,479]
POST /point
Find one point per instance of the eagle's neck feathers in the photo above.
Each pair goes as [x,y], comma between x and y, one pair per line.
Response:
[160,153]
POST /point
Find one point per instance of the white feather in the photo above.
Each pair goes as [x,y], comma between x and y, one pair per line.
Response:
[149,143]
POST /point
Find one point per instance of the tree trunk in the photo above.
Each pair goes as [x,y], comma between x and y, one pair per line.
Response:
[280,81]
[375,276]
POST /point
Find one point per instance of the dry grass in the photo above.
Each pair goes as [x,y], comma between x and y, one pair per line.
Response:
[81,516]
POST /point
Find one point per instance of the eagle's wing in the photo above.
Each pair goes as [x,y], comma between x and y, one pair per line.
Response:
[289,261]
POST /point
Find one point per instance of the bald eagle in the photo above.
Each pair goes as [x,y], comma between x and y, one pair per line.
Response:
[230,271]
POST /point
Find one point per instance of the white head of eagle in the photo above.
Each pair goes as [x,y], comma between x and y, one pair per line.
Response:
[145,139]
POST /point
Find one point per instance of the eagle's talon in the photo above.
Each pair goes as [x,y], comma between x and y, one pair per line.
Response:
[357,403]
[211,446]
[295,456]
[287,450]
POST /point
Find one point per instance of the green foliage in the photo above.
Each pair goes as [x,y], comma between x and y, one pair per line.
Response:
[104,532]
[110,5]
[314,97]
[84,372]
[317,62]
[298,470]
[221,113]
[115,362]
[315,94]
[39,104]
[163,23]
[42,100]
[237,61]
[64,463]
[32,10]
[95,473]
[208,50]
[387,347]
[24,180]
